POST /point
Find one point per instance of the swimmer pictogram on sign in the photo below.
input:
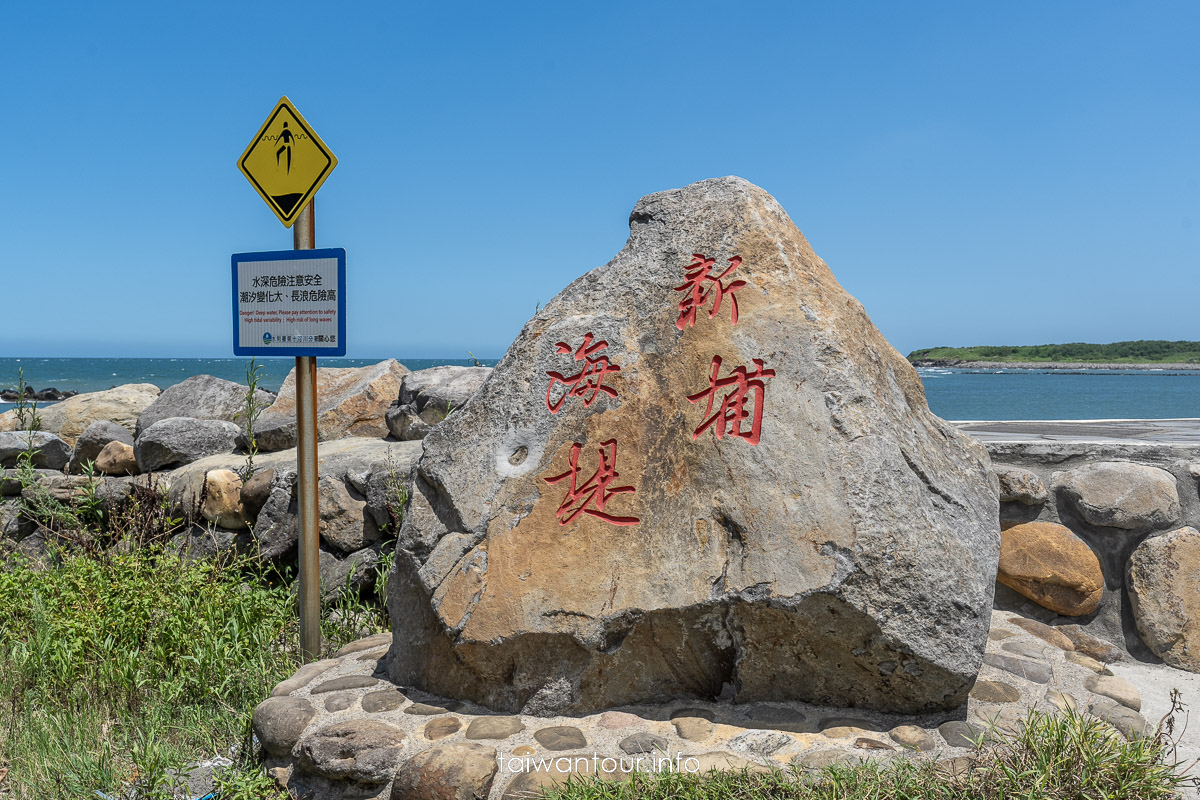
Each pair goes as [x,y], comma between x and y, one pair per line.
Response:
[286,162]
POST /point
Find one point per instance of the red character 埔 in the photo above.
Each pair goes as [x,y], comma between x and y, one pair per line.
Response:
[701,285]
[733,413]
[594,490]
[589,382]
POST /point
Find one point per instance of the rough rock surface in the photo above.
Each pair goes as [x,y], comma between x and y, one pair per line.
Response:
[70,418]
[201,397]
[1052,567]
[580,537]
[117,458]
[279,721]
[223,499]
[52,452]
[362,750]
[176,441]
[351,401]
[460,771]
[1164,590]
[1021,486]
[1120,494]
[428,396]
[95,438]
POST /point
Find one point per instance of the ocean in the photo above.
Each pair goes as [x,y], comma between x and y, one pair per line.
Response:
[957,394]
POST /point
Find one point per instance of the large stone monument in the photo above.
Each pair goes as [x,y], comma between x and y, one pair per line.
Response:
[700,471]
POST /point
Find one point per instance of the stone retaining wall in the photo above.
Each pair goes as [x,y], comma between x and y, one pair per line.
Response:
[1103,536]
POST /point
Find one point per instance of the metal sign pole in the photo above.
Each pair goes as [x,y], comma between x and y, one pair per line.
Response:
[304,233]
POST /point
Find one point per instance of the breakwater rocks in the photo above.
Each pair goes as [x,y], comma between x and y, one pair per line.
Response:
[189,443]
[45,395]
[1101,541]
[954,363]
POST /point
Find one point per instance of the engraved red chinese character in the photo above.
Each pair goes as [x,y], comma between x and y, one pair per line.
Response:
[701,285]
[733,414]
[590,380]
[594,490]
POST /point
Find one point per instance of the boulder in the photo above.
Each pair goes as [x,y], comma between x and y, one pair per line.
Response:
[1120,494]
[71,417]
[351,401]
[347,575]
[117,458]
[428,396]
[223,500]
[279,721]
[699,469]
[344,523]
[176,441]
[1051,566]
[362,750]
[459,771]
[255,492]
[1021,486]
[202,397]
[95,438]
[1163,582]
[52,452]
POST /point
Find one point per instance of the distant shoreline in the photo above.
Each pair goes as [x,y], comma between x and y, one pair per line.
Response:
[954,363]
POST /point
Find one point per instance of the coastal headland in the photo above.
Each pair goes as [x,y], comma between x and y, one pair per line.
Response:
[955,363]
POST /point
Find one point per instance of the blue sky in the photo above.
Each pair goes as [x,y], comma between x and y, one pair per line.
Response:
[974,173]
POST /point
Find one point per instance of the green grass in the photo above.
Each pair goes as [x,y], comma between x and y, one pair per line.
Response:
[116,667]
[1138,352]
[1060,757]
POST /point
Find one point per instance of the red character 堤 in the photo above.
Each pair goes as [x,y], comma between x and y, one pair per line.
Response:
[593,491]
[732,414]
[589,382]
[701,285]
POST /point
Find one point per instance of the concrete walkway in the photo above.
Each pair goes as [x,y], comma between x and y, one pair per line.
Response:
[1157,431]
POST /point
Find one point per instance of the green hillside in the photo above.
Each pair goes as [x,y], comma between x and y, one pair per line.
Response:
[1147,351]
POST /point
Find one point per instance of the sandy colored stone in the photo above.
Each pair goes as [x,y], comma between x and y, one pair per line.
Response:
[369,643]
[1087,662]
[867,743]
[913,737]
[1046,633]
[1090,645]
[117,458]
[1021,486]
[1051,566]
[694,729]
[69,418]
[339,702]
[494,728]
[1163,583]
[345,682]
[442,727]
[1120,494]
[351,401]
[1061,700]
[304,676]
[842,549]
[1021,667]
[459,771]
[995,692]
[560,737]
[223,499]
[1116,688]
[613,720]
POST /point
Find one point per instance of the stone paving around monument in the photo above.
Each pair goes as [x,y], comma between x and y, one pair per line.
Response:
[338,728]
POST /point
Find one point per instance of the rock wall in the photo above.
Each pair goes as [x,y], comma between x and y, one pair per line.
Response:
[1102,539]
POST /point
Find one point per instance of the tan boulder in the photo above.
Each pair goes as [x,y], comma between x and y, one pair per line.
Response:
[68,419]
[117,458]
[1164,589]
[1051,566]
[351,401]
[223,499]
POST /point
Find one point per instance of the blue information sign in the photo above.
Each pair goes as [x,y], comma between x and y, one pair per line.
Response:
[290,303]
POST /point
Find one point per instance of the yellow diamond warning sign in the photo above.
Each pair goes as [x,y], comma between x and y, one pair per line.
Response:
[286,162]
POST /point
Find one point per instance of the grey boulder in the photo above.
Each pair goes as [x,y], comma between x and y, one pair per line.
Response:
[51,452]
[176,441]
[428,396]
[201,397]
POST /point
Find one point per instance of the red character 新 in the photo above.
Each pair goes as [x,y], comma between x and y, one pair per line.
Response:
[732,414]
[701,285]
[594,491]
[589,382]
